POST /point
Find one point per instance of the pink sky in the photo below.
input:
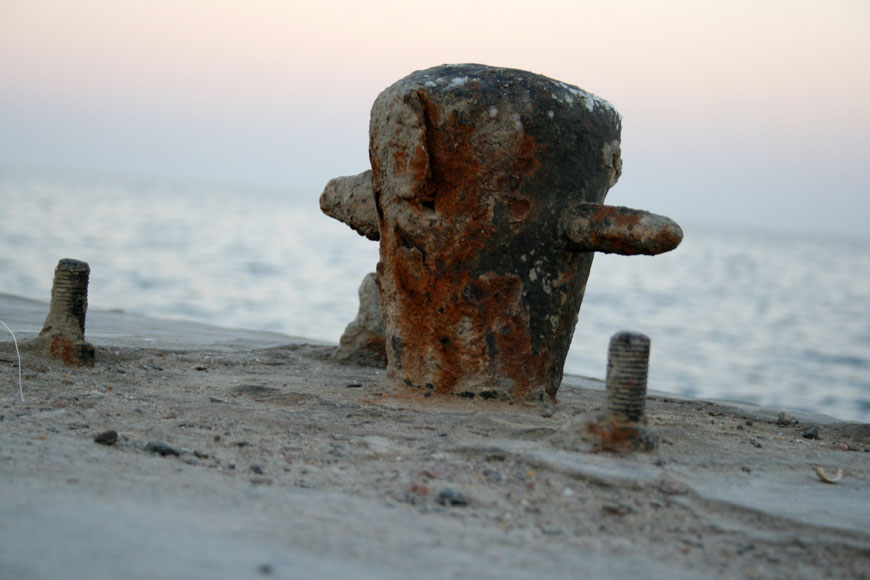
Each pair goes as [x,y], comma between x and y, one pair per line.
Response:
[741,111]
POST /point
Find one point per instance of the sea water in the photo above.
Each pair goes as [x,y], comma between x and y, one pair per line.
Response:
[769,318]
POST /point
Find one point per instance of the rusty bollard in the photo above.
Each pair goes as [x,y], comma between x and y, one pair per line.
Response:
[485,191]
[63,334]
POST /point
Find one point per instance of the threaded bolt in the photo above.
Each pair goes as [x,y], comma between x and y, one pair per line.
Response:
[63,334]
[627,368]
[622,426]
[69,293]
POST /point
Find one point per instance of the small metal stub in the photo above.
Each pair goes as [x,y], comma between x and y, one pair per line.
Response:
[63,334]
[627,368]
[622,426]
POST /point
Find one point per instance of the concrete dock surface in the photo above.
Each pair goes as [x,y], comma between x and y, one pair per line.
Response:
[243,454]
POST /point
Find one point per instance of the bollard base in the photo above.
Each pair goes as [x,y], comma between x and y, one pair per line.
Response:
[69,352]
[607,432]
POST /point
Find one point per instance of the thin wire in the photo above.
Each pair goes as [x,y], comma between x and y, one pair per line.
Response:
[15,342]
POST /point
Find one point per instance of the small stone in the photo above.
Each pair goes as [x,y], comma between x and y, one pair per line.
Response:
[811,433]
[258,469]
[617,509]
[452,498]
[161,449]
[786,419]
[109,437]
[671,487]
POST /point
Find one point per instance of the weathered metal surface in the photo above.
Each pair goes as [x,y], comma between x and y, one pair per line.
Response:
[591,227]
[482,179]
[63,334]
[627,368]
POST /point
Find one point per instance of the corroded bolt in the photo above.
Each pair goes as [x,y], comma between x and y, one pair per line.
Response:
[623,426]
[69,293]
[627,366]
[63,334]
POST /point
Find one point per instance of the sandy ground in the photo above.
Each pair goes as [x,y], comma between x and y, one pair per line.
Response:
[253,455]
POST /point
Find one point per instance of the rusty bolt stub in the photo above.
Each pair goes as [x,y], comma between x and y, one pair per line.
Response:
[63,334]
[623,426]
[627,367]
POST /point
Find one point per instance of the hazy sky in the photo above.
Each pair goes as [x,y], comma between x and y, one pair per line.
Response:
[738,111]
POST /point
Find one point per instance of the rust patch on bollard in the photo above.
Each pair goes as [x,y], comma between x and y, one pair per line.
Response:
[455,328]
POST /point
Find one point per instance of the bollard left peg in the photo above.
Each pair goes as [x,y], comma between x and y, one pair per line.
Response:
[63,334]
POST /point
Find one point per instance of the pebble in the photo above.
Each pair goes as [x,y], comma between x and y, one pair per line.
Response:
[786,419]
[109,437]
[671,487]
[618,509]
[160,448]
[451,497]
[811,433]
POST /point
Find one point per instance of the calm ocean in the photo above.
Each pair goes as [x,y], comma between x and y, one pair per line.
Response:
[767,318]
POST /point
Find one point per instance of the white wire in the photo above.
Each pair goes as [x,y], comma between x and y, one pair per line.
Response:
[15,342]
